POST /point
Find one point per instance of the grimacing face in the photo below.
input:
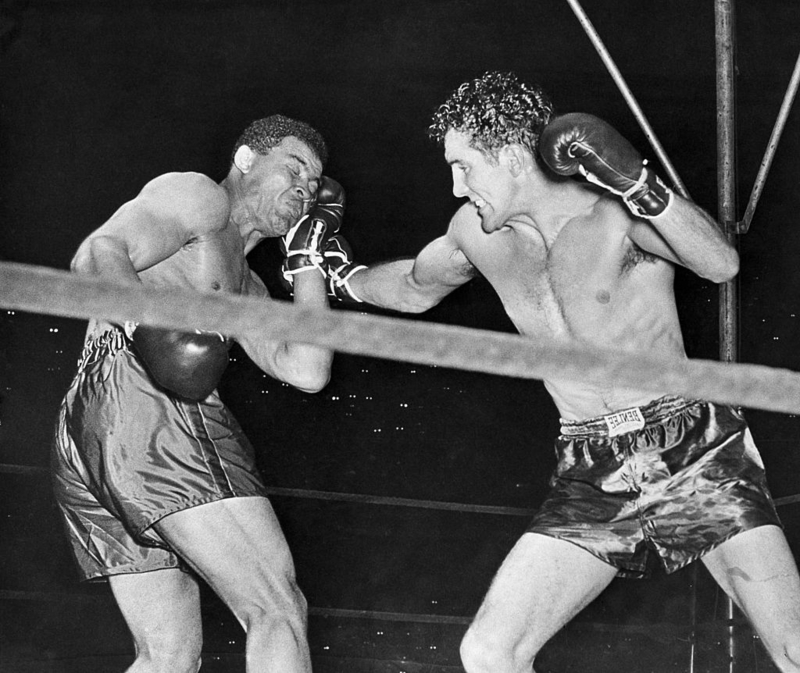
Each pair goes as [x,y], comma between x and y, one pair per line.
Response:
[281,185]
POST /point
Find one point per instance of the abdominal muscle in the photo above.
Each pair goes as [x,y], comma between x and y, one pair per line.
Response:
[636,314]
[585,289]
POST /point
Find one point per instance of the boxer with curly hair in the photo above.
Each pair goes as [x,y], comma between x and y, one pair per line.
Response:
[580,238]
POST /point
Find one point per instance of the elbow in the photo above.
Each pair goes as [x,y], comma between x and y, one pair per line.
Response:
[417,306]
[411,303]
[417,299]
[312,381]
[96,253]
[315,385]
[727,269]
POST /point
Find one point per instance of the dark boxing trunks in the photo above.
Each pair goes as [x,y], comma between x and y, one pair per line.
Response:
[127,454]
[676,476]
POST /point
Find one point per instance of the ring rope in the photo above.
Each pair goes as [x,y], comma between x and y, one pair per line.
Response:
[364,498]
[666,629]
[54,292]
[398,502]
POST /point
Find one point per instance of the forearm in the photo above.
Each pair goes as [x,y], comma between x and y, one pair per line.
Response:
[397,285]
[664,223]
[698,241]
[301,365]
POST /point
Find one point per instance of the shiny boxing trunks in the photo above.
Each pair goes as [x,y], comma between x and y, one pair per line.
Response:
[678,477]
[127,454]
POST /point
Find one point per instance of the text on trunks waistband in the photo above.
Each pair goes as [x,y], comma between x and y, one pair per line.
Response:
[624,421]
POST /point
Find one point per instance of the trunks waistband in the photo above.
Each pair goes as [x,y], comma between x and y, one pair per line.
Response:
[626,420]
[107,343]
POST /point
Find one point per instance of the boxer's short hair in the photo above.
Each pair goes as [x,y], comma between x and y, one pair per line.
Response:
[495,110]
[264,134]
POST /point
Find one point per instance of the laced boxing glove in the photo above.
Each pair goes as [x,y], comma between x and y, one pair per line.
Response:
[188,364]
[305,242]
[582,143]
[341,268]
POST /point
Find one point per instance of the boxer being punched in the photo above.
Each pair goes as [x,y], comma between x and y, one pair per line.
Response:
[580,238]
[156,481]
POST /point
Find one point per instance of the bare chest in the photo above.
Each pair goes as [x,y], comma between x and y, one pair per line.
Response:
[208,264]
[579,287]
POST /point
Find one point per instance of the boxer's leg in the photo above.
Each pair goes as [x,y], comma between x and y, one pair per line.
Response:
[162,610]
[757,570]
[237,546]
[542,584]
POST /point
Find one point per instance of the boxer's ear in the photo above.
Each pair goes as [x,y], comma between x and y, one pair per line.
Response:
[243,158]
[515,157]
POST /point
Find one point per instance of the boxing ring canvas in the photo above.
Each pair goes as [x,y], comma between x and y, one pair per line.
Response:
[405,484]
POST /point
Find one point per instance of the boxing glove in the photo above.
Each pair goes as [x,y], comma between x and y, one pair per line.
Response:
[581,143]
[188,364]
[304,244]
[338,257]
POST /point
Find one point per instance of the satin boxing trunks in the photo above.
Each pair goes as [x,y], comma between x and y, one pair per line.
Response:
[127,454]
[677,477]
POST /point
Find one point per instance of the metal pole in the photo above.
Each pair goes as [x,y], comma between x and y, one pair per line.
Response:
[726,170]
[626,93]
[726,178]
[772,145]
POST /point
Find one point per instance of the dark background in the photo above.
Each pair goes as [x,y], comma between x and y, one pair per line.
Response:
[99,97]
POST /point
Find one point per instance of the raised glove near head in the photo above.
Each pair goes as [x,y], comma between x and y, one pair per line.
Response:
[305,242]
[582,143]
[188,364]
[341,268]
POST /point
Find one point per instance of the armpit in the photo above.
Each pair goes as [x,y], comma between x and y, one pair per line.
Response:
[465,267]
[635,256]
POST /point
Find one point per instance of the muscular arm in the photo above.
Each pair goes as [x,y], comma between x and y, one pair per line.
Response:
[167,214]
[305,367]
[670,226]
[415,285]
[164,216]
[688,236]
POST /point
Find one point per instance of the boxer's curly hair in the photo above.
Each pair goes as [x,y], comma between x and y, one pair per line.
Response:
[495,109]
[264,134]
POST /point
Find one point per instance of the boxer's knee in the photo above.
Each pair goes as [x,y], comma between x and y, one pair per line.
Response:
[277,616]
[166,652]
[788,656]
[285,607]
[484,652]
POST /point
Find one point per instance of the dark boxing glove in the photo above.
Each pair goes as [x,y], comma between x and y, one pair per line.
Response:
[581,143]
[341,268]
[304,244]
[188,364]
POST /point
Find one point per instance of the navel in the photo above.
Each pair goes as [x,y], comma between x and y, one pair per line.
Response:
[216,285]
[603,296]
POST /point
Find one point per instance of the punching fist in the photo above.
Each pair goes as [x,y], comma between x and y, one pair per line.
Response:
[188,364]
[305,242]
[341,267]
[581,143]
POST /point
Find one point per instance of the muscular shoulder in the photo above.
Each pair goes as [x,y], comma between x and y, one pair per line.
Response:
[455,243]
[641,239]
[464,228]
[464,223]
[618,228]
[189,197]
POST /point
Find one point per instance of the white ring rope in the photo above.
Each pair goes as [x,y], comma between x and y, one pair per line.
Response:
[49,291]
